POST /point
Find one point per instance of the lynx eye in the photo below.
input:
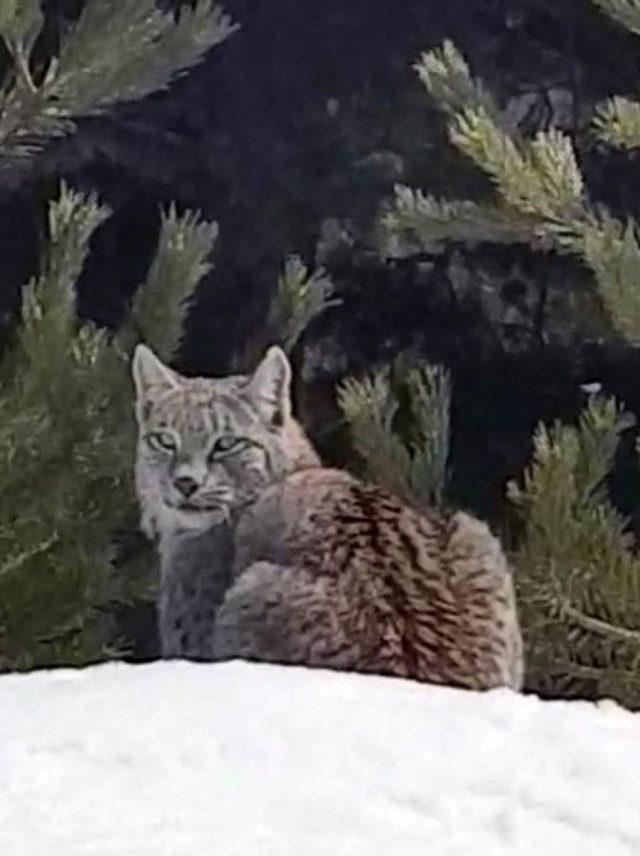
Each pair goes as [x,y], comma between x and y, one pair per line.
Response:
[161,441]
[227,444]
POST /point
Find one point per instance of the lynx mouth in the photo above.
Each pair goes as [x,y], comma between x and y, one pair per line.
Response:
[191,507]
[211,512]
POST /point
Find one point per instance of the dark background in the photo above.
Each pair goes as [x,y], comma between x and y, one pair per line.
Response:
[305,119]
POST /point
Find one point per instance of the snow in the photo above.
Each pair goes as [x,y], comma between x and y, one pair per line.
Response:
[235,759]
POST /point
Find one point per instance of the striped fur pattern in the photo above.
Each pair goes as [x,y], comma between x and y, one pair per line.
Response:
[326,571]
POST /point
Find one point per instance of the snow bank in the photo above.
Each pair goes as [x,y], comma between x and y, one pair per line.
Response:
[247,760]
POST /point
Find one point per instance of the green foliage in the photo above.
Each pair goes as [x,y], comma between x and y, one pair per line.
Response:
[48,301]
[429,391]
[416,222]
[118,50]
[183,258]
[66,425]
[625,12]
[536,179]
[617,122]
[540,197]
[539,178]
[20,23]
[446,75]
[67,440]
[412,463]
[301,296]
[369,408]
[577,575]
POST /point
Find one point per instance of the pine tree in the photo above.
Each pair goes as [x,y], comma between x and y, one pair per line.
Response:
[578,573]
[66,426]
[67,441]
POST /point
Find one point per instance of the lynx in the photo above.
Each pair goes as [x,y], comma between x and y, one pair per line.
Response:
[267,555]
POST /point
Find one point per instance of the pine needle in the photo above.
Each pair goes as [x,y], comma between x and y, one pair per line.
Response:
[182,259]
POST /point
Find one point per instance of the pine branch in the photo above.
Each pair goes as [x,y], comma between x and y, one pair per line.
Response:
[87,77]
[412,463]
[596,625]
[182,259]
[48,305]
[577,575]
[537,180]
[301,296]
[599,428]
[541,179]
[14,563]
[369,408]
[429,389]
[445,74]
[617,122]
[151,51]
[540,185]
[624,12]
[419,223]
[612,251]
[20,23]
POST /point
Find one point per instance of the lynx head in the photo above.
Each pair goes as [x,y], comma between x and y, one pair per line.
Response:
[209,446]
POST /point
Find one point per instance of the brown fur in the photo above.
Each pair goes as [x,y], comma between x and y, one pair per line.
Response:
[334,573]
[327,571]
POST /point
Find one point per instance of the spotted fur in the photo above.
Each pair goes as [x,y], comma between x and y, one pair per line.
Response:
[325,570]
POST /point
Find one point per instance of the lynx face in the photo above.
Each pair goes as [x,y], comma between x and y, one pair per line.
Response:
[208,446]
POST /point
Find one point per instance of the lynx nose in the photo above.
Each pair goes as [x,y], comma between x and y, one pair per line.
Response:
[186,485]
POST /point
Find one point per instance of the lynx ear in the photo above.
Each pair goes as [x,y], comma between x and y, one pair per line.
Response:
[270,387]
[151,378]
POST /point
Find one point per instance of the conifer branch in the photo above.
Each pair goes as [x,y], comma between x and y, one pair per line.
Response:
[182,259]
[301,296]
[617,122]
[538,179]
[624,12]
[418,223]
[429,389]
[612,251]
[539,184]
[445,73]
[541,179]
[48,305]
[152,49]
[596,625]
[15,562]
[20,24]
[369,408]
[412,463]
[577,574]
